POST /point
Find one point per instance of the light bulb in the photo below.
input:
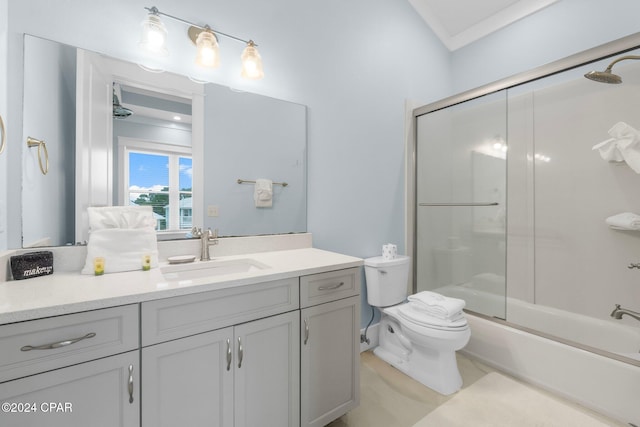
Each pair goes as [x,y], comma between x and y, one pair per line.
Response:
[251,62]
[154,35]
[207,52]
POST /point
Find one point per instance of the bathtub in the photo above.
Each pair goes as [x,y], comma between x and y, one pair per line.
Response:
[598,335]
[547,353]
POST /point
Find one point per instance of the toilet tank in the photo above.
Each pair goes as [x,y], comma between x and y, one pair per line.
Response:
[386,280]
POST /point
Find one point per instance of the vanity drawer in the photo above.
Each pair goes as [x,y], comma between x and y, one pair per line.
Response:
[35,346]
[333,285]
[177,317]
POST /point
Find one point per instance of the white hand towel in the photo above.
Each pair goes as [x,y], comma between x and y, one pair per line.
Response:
[622,146]
[121,235]
[438,305]
[624,221]
[263,193]
[120,217]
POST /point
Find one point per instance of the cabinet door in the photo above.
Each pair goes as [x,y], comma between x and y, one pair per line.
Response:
[330,376]
[267,372]
[189,381]
[101,393]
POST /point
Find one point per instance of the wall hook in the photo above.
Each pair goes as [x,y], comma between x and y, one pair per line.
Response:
[42,147]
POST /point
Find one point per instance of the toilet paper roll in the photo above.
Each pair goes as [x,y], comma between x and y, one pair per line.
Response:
[389,251]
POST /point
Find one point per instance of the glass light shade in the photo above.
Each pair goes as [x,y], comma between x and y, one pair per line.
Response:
[154,36]
[207,52]
[251,63]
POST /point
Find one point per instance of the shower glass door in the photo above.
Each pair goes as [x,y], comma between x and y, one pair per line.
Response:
[461,172]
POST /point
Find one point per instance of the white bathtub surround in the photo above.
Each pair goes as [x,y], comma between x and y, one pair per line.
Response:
[605,385]
[608,337]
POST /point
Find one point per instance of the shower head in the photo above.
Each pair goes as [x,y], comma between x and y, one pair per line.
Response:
[119,112]
[607,76]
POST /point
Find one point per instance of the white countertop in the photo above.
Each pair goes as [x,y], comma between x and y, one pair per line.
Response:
[64,293]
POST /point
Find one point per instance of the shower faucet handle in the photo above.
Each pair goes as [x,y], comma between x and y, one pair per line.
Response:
[634,265]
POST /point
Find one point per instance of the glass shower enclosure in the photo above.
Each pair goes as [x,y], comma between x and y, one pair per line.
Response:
[461,177]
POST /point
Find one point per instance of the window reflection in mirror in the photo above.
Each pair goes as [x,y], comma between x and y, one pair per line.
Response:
[236,135]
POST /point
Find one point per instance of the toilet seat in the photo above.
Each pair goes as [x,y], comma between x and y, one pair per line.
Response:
[412,313]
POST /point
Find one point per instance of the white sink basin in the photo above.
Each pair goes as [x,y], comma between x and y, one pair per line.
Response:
[214,268]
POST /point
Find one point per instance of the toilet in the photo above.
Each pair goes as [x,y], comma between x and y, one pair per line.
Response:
[421,345]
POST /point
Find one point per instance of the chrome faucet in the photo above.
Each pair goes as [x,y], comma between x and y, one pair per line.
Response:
[618,312]
[207,238]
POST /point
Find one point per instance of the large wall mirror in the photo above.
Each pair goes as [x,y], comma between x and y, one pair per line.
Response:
[116,133]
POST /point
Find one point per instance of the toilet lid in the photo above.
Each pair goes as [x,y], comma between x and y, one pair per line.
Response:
[412,313]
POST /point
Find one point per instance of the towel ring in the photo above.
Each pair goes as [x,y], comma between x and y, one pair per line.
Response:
[3,138]
[32,142]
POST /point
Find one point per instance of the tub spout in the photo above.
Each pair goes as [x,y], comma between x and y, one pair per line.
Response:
[618,312]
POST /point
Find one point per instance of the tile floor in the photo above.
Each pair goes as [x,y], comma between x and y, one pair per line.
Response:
[388,398]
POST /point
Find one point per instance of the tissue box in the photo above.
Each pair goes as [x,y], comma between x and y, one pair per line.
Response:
[32,264]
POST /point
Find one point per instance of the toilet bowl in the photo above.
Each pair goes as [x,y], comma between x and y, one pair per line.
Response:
[421,345]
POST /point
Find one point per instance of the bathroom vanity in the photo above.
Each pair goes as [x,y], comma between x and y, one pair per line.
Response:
[274,345]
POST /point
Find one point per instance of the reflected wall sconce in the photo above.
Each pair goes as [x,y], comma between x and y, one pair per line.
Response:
[154,40]
[42,148]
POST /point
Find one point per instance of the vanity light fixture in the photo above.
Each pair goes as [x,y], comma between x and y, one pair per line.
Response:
[154,37]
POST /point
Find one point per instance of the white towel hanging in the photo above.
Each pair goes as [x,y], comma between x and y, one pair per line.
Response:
[263,193]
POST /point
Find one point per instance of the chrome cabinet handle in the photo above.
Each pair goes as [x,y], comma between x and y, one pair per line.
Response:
[240,353]
[306,331]
[58,344]
[130,385]
[328,288]
[228,354]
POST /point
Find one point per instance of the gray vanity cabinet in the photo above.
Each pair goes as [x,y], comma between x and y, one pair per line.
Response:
[74,370]
[267,372]
[219,372]
[189,381]
[100,393]
[330,346]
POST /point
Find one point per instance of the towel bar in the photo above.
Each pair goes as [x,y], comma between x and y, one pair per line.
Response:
[460,204]
[242,181]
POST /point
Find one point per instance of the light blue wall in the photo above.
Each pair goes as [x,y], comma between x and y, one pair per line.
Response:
[4,26]
[560,30]
[352,63]
[249,136]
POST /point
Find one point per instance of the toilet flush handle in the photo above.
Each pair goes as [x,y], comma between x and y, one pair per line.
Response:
[383,271]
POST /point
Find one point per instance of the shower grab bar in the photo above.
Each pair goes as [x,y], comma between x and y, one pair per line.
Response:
[460,204]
